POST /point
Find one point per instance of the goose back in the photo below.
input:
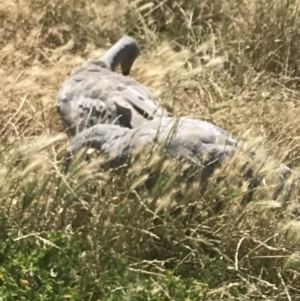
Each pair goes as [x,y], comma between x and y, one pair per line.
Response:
[189,139]
[95,83]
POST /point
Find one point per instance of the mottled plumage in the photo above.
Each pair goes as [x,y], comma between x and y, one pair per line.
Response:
[93,91]
[185,138]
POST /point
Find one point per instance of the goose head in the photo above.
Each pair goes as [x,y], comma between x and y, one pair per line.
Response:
[124,52]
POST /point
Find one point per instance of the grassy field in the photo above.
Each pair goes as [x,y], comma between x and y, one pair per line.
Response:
[87,234]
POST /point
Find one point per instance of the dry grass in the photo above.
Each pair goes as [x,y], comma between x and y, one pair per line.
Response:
[234,63]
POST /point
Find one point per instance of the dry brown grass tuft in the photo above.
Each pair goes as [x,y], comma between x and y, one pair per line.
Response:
[233,63]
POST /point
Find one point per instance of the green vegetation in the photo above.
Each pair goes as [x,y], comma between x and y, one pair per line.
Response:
[89,234]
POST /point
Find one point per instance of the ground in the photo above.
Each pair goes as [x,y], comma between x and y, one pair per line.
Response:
[87,234]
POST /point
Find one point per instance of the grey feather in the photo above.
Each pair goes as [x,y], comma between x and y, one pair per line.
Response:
[185,138]
[191,139]
[85,94]
[124,52]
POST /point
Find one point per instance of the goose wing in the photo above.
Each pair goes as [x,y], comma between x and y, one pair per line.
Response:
[136,94]
[186,138]
[90,86]
[189,138]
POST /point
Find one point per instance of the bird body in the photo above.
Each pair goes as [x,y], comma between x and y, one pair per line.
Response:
[92,91]
[186,137]
[116,115]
